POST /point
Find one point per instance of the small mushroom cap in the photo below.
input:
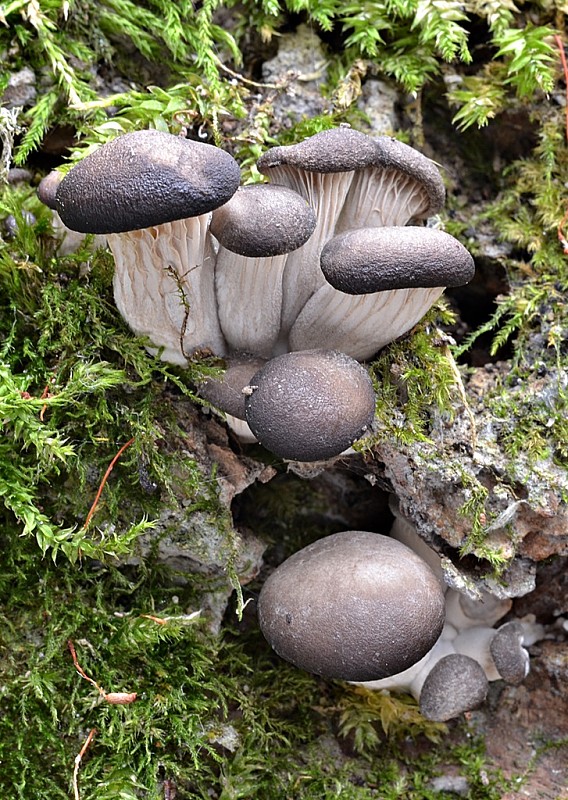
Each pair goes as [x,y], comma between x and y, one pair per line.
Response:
[356,606]
[310,405]
[457,683]
[508,654]
[47,188]
[263,220]
[226,392]
[378,259]
[145,178]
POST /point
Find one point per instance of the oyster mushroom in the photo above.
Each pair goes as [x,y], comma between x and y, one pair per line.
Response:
[256,230]
[457,683]
[354,606]
[395,273]
[351,180]
[469,645]
[310,405]
[151,193]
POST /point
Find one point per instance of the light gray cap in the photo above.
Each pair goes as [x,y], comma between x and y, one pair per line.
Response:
[456,683]
[145,178]
[263,220]
[355,606]
[343,149]
[226,392]
[379,259]
[310,405]
[509,656]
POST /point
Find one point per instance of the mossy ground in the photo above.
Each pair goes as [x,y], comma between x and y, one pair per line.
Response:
[220,715]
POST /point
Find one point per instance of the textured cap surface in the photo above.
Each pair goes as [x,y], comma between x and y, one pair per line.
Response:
[508,654]
[310,405]
[457,683]
[378,259]
[263,220]
[355,606]
[145,178]
[337,150]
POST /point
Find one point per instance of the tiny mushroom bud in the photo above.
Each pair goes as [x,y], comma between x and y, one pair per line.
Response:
[256,230]
[457,683]
[47,188]
[356,606]
[310,405]
[507,651]
[152,194]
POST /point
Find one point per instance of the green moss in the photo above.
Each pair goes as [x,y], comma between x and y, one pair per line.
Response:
[415,378]
[211,715]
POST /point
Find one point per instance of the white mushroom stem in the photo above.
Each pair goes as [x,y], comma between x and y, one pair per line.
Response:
[249,299]
[241,429]
[302,275]
[475,643]
[464,613]
[164,287]
[359,325]
[381,198]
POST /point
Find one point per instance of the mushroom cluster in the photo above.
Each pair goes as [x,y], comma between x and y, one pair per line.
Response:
[453,676]
[321,260]
[369,609]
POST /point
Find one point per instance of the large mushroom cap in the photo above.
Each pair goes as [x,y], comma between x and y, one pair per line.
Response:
[145,178]
[263,220]
[378,259]
[310,405]
[355,606]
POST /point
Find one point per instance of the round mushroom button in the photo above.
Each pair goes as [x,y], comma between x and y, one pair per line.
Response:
[310,405]
[356,606]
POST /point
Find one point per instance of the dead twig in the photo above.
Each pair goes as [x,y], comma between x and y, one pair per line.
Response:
[114,698]
[78,759]
[103,482]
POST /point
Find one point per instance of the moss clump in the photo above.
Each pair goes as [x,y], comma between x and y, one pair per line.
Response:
[214,717]
[76,386]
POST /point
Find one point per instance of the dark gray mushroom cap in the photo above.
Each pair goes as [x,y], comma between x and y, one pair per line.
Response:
[47,188]
[356,606]
[508,654]
[344,150]
[226,392]
[337,150]
[145,178]
[310,405]
[263,220]
[378,259]
[457,683]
